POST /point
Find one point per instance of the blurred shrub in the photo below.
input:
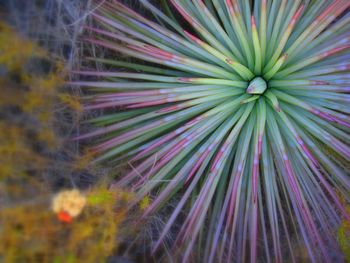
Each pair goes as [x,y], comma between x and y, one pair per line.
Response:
[30,156]
[33,233]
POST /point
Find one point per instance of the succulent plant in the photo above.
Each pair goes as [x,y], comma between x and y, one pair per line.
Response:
[240,109]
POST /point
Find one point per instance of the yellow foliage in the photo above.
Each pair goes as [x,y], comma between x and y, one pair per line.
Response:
[32,233]
[9,93]
[29,230]
[344,237]
[35,95]
[15,50]
[144,203]
[83,161]
[71,101]
[16,155]
[42,93]
[48,136]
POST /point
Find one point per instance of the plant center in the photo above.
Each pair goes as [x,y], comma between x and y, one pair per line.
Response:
[257,86]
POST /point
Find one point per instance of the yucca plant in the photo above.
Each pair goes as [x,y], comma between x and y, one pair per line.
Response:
[238,108]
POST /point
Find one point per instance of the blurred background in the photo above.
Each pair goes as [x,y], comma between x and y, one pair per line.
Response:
[55,205]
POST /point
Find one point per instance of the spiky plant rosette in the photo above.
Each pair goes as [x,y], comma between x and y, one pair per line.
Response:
[240,109]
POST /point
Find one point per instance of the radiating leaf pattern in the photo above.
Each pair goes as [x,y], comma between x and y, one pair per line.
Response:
[241,108]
